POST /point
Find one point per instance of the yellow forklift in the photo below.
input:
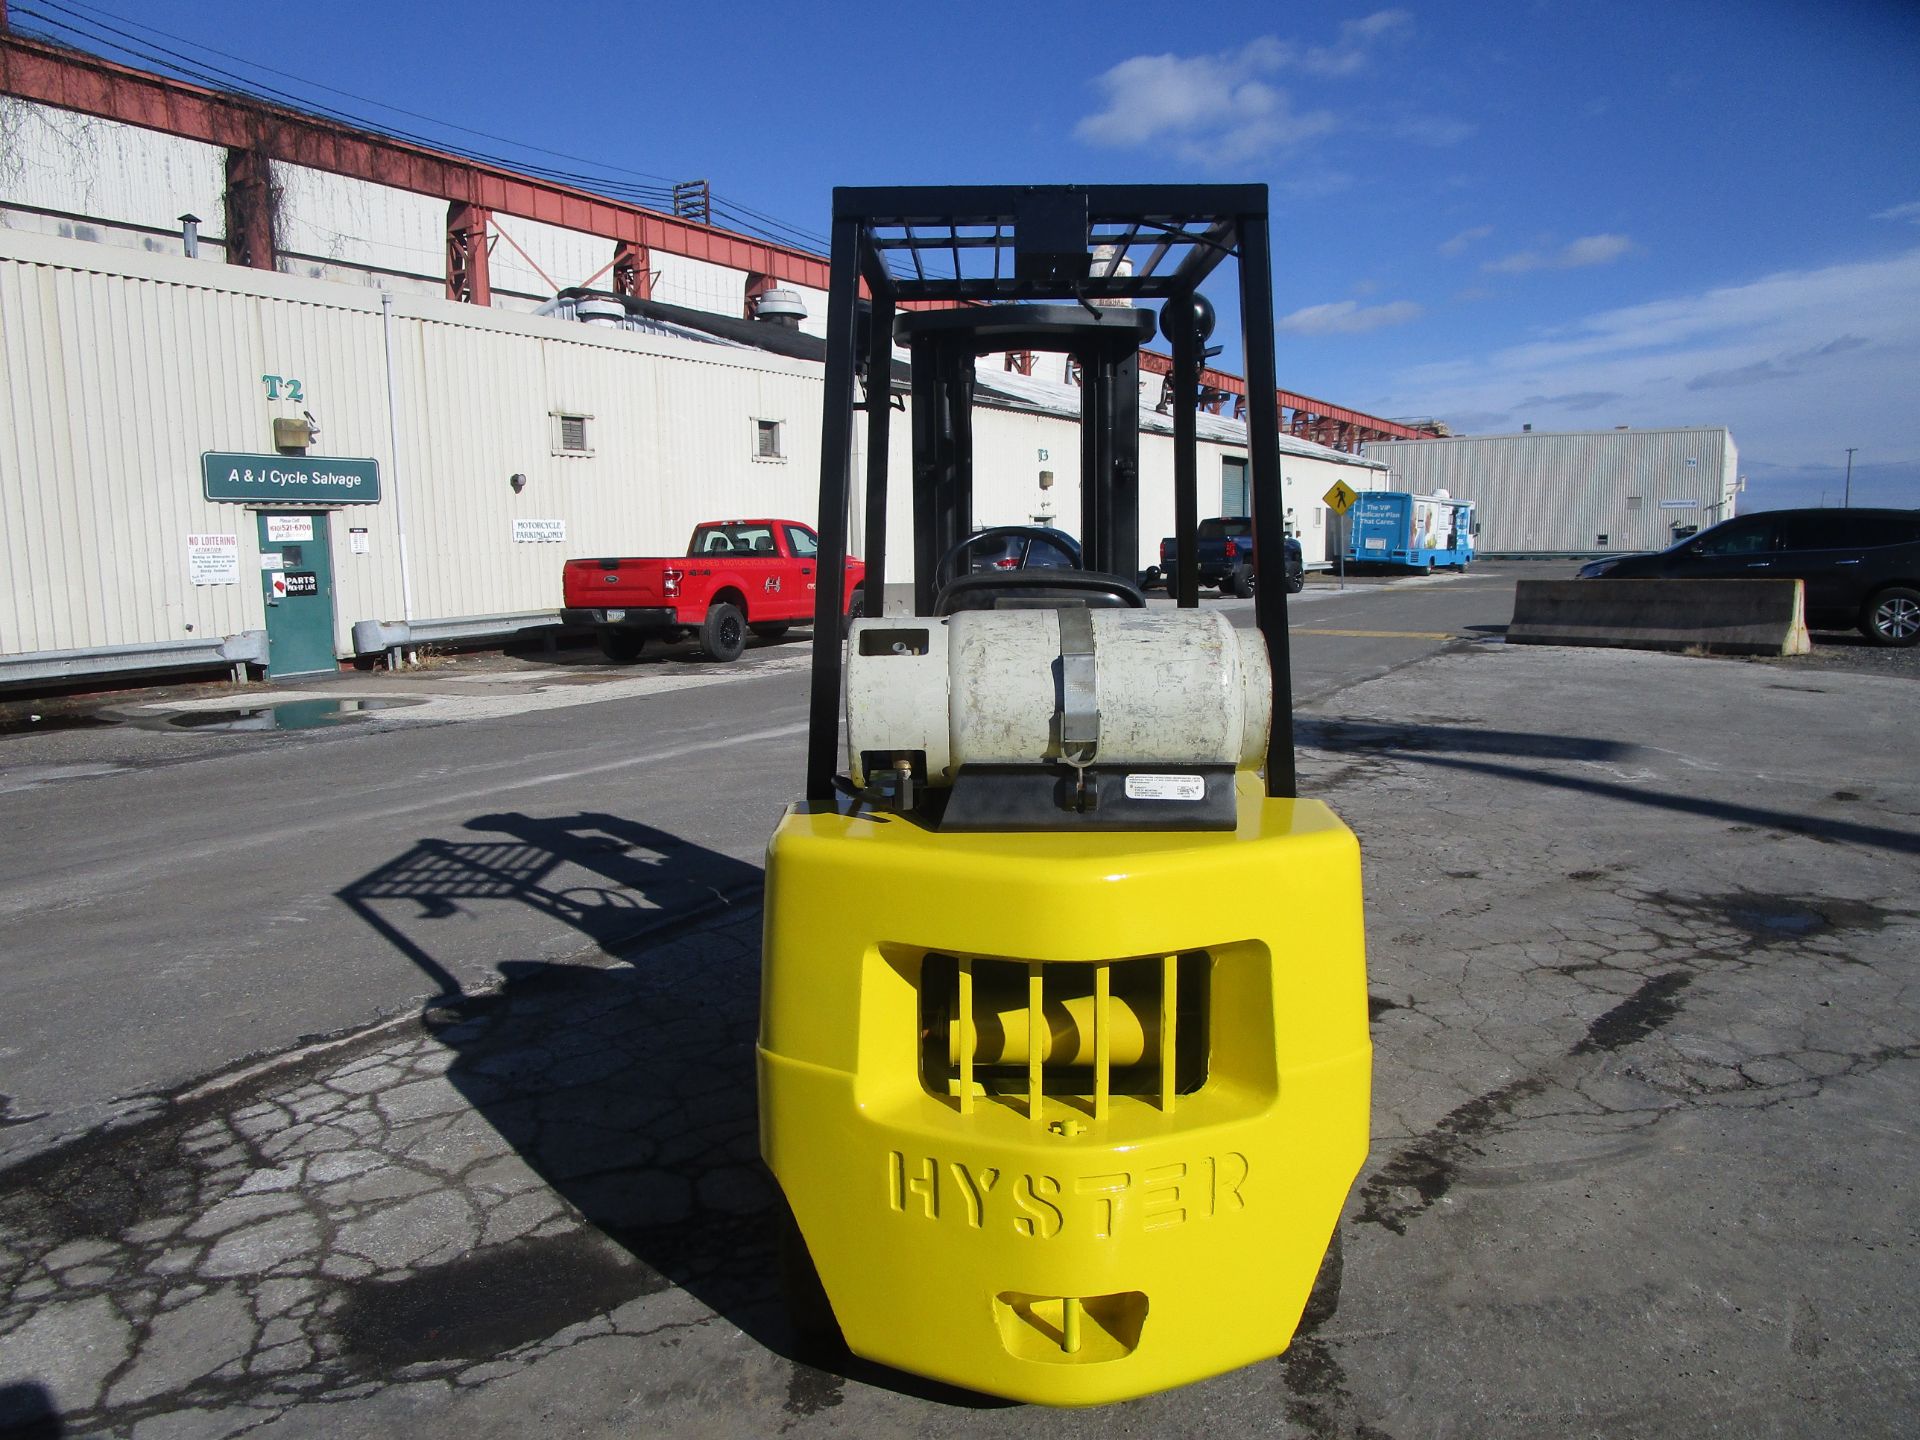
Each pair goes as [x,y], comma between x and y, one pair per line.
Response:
[1063,1058]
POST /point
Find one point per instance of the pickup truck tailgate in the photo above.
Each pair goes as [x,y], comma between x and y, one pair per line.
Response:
[596,584]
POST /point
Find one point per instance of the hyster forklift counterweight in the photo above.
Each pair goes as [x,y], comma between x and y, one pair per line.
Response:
[1063,1048]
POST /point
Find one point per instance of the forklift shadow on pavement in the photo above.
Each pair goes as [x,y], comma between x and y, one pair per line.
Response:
[628,1088]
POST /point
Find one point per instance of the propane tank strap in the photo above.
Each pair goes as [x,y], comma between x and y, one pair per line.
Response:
[1079,687]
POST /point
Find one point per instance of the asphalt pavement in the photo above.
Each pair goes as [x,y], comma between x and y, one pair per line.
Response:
[1641,933]
[244,869]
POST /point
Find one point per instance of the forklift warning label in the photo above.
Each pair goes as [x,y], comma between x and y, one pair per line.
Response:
[1166,787]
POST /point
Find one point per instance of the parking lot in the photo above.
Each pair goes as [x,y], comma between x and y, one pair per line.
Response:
[1641,933]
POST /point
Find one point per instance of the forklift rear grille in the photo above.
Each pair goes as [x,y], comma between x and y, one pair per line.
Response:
[1020,1033]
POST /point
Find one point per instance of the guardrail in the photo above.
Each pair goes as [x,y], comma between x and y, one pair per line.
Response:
[393,638]
[235,653]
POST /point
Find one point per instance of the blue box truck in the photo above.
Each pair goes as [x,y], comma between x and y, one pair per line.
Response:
[1393,529]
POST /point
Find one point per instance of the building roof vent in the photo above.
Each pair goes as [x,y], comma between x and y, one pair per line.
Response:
[600,312]
[780,307]
[1110,263]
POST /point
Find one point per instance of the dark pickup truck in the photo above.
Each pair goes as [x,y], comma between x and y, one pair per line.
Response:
[1224,551]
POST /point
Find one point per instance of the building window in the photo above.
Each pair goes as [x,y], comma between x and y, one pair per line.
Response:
[1634,502]
[769,443]
[570,433]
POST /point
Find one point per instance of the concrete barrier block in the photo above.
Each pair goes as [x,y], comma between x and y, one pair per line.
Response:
[1720,617]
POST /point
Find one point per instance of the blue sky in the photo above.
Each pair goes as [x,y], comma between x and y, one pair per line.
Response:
[1574,215]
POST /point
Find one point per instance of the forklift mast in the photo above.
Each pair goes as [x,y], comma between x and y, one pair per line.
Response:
[956,272]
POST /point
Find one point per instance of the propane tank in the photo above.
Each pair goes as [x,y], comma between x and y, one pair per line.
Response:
[987,687]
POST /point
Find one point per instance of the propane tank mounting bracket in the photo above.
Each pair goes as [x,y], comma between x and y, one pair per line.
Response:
[1079,701]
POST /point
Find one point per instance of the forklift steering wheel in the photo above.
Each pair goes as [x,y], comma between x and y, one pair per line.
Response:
[946,569]
[1074,584]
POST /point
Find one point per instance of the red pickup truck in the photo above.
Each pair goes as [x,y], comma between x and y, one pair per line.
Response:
[737,575]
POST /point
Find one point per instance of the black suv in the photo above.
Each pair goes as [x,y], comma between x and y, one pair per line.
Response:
[1860,567]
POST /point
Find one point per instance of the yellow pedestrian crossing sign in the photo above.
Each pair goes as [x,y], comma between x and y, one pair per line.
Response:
[1341,497]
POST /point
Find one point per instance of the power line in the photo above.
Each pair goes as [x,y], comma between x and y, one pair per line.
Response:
[88,25]
[101,15]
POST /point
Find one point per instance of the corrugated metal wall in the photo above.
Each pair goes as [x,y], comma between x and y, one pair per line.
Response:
[1578,491]
[122,368]
[334,227]
[699,284]
[86,178]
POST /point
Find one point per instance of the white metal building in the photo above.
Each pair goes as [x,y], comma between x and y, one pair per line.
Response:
[506,442]
[186,273]
[1576,492]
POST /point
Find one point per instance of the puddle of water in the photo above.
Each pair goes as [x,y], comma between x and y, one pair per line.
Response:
[1779,919]
[31,724]
[285,715]
[1780,922]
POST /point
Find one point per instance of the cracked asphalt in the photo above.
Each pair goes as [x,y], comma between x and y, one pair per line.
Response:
[1641,935]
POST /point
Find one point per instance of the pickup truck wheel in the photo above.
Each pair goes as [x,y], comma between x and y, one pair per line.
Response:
[723,634]
[621,646]
[1240,582]
[770,631]
[856,607]
[1296,581]
[1892,617]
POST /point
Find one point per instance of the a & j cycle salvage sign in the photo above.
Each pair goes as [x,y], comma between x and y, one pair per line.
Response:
[289,479]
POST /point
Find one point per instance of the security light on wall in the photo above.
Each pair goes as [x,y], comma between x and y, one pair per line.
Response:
[291,433]
[518,482]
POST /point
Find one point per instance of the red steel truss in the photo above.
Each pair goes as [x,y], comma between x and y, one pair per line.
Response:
[1300,415]
[72,81]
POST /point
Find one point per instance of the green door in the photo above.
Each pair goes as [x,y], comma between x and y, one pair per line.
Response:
[298,586]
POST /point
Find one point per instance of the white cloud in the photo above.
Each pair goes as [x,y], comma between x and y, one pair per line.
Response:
[1349,55]
[1780,367]
[1910,212]
[1460,242]
[1577,401]
[1205,106]
[1224,108]
[1348,317]
[1574,255]
[1840,343]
